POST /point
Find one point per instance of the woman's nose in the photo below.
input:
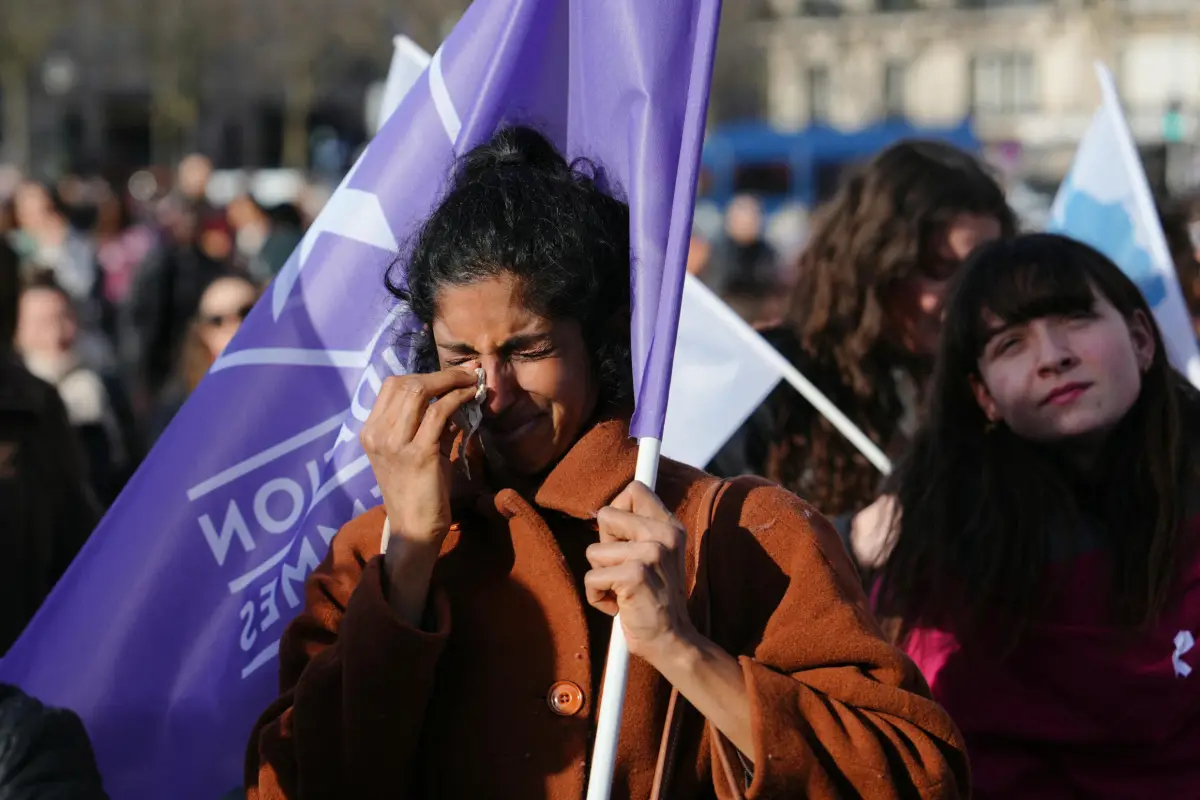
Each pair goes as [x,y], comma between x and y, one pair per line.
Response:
[501,391]
[1054,352]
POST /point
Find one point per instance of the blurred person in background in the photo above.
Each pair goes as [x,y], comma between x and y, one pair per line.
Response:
[45,501]
[214,236]
[864,323]
[742,254]
[165,295]
[45,240]
[224,305]
[191,184]
[264,238]
[123,244]
[287,229]
[250,225]
[45,753]
[45,338]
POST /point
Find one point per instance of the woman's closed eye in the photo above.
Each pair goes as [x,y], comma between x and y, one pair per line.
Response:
[1006,344]
[534,354]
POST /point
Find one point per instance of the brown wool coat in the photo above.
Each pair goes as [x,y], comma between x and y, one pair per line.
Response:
[372,708]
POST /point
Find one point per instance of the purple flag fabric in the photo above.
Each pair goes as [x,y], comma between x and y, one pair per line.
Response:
[163,635]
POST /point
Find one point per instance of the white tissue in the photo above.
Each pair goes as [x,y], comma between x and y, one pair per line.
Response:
[470,417]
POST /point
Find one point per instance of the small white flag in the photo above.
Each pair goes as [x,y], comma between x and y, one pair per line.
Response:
[720,375]
[723,369]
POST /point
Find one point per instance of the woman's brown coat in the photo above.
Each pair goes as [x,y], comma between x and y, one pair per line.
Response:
[497,697]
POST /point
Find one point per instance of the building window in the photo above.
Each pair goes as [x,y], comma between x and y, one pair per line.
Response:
[1003,83]
[895,75]
[819,94]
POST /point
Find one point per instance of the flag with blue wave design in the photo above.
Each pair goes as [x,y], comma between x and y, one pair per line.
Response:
[1105,201]
[163,635]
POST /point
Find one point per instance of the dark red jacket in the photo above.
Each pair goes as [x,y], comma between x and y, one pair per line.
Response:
[1080,709]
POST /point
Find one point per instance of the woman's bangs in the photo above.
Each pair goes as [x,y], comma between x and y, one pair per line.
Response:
[1028,290]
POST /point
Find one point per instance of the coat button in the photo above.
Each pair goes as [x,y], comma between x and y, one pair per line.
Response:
[565,698]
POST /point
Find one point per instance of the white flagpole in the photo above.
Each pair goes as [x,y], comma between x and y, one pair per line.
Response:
[616,666]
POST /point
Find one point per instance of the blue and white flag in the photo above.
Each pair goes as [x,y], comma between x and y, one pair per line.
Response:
[1105,201]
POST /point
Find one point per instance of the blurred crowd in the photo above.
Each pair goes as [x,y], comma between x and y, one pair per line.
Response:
[125,294]
[115,299]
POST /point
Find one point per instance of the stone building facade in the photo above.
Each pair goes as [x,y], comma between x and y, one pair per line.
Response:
[1022,70]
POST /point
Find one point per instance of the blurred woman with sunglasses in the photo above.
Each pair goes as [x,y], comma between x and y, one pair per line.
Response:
[224,305]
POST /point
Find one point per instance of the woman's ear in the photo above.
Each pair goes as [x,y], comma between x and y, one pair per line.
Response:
[984,398]
[1141,334]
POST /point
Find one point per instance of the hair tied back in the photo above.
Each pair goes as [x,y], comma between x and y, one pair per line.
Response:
[513,147]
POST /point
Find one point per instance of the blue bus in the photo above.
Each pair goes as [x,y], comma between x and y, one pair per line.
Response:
[800,167]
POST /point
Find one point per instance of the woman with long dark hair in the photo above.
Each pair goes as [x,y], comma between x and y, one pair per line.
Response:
[1045,573]
[466,659]
[865,319]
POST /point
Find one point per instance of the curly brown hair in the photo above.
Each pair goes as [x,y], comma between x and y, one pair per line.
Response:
[881,228]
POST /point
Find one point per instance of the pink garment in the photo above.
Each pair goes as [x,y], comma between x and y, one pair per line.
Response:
[1079,709]
[120,258]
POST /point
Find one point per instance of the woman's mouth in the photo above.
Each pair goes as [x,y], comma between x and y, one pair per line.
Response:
[1066,394]
[511,433]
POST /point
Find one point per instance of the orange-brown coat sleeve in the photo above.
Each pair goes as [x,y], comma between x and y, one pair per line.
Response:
[354,682]
[836,711]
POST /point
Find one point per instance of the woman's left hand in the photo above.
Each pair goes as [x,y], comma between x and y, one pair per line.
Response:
[639,569]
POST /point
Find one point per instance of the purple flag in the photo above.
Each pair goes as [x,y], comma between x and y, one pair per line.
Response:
[164,633]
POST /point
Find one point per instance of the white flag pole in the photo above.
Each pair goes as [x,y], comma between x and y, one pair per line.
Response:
[616,666]
[616,673]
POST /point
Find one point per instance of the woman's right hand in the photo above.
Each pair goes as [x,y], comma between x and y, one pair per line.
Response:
[406,438]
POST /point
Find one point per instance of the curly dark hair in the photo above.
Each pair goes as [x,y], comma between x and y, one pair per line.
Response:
[983,513]
[516,207]
[880,229]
